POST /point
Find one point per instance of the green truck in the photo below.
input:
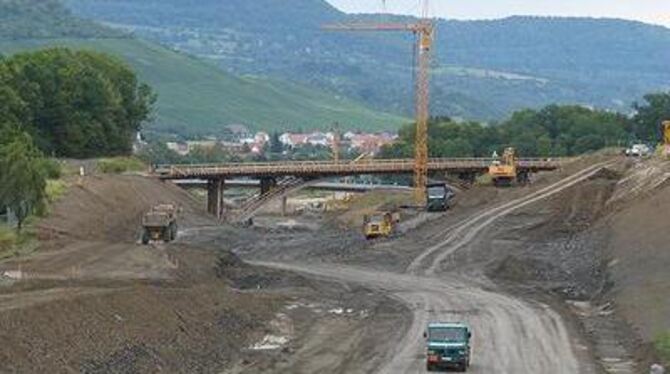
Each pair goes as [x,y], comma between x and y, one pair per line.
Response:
[438,197]
[448,346]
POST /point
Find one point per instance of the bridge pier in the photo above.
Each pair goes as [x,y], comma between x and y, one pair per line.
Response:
[215,189]
[267,184]
[284,205]
[468,176]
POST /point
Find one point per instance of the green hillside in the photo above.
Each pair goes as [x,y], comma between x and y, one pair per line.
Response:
[194,97]
[483,69]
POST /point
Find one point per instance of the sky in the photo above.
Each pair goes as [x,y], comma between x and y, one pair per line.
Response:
[650,11]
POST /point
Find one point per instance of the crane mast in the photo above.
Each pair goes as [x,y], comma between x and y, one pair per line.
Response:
[424,31]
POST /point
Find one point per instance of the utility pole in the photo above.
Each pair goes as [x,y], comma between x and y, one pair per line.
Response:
[424,31]
[336,142]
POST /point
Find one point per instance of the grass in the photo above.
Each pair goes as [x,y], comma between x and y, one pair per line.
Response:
[662,345]
[55,189]
[196,97]
[118,165]
[8,239]
[13,244]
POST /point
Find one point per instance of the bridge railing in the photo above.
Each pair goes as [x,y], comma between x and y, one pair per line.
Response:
[315,167]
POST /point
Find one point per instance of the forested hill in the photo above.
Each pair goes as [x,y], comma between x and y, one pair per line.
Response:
[483,69]
[195,97]
[21,19]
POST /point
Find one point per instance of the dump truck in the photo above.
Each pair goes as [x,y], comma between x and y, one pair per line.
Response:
[448,346]
[503,172]
[160,224]
[380,224]
[438,197]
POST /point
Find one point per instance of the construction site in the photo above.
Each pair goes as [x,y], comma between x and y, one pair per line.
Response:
[565,275]
[538,265]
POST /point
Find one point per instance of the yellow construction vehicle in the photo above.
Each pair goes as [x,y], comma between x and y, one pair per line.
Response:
[380,224]
[666,138]
[160,223]
[503,172]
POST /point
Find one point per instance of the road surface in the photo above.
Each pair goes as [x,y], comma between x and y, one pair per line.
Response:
[510,335]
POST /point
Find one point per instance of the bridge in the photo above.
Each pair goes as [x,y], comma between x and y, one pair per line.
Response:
[277,178]
[320,186]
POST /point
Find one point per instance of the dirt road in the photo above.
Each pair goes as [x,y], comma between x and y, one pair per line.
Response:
[510,335]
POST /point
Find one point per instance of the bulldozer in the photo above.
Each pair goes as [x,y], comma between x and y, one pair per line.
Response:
[503,172]
[380,224]
[160,224]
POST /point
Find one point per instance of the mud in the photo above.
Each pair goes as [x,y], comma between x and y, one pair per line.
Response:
[93,300]
[544,274]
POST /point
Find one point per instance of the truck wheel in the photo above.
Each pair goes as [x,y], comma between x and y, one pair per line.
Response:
[167,234]
[145,236]
[173,231]
[429,367]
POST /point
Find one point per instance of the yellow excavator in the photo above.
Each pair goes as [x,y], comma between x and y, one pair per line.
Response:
[504,171]
[380,224]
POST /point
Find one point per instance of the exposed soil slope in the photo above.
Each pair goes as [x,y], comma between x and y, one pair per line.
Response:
[94,300]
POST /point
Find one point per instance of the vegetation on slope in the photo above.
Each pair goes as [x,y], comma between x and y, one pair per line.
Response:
[194,97]
[552,131]
[483,69]
[75,104]
[21,19]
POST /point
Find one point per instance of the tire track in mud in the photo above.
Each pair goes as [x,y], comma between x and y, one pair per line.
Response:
[462,234]
[511,335]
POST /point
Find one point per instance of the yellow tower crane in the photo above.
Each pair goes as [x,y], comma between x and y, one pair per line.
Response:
[424,30]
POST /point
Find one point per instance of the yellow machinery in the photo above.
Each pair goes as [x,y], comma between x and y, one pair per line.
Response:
[160,223]
[666,138]
[380,224]
[424,30]
[503,172]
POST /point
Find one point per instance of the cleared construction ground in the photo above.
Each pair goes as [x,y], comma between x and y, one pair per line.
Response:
[568,275]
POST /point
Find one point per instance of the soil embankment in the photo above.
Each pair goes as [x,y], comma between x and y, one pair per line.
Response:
[567,275]
[94,300]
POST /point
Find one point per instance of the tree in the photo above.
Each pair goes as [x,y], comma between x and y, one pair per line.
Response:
[77,103]
[650,115]
[276,145]
[22,176]
[552,131]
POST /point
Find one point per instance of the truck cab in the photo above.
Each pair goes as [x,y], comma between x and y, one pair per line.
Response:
[438,197]
[448,346]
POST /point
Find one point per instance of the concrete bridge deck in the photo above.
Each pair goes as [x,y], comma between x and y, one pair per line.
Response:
[319,169]
[279,178]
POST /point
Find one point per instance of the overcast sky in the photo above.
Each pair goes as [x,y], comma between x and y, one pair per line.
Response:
[651,11]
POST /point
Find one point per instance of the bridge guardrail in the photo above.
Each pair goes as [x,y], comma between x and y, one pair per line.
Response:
[333,167]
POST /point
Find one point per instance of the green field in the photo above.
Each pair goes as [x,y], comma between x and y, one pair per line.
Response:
[197,98]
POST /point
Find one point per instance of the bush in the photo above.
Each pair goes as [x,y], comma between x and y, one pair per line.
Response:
[7,239]
[120,165]
[52,169]
[662,345]
[56,188]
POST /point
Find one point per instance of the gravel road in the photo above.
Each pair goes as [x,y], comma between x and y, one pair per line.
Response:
[511,335]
